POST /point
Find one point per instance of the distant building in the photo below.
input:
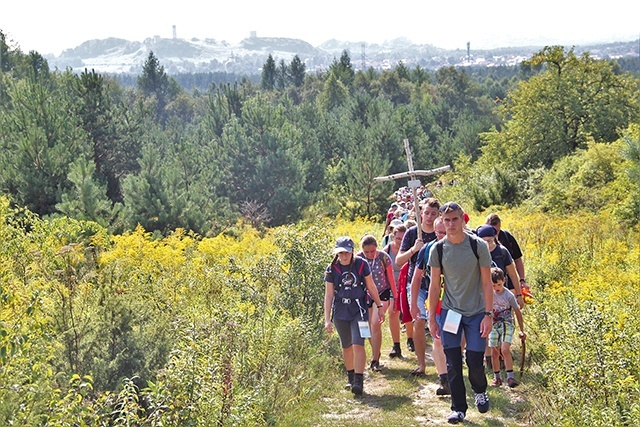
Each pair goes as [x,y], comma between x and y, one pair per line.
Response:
[253,35]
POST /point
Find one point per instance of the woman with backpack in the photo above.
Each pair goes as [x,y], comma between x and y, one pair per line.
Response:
[382,273]
[347,280]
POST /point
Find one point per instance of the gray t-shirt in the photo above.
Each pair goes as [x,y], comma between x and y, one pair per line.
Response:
[463,282]
[503,304]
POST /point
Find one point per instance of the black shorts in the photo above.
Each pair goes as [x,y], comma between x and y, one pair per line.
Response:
[384,296]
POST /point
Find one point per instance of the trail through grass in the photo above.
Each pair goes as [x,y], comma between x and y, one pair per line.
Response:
[395,398]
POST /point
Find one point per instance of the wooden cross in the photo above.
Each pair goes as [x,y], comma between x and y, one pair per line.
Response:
[413,183]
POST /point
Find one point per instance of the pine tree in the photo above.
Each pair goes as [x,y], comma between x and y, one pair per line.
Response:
[268,79]
[297,69]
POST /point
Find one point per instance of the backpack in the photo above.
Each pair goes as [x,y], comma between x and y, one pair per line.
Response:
[349,301]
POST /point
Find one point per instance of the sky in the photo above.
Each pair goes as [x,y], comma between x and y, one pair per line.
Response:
[50,27]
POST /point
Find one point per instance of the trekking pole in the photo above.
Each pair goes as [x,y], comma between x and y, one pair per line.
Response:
[523,341]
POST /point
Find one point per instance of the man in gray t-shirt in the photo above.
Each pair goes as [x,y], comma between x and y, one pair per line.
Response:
[467,304]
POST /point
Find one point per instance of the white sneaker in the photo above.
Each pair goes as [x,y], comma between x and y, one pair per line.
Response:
[455,417]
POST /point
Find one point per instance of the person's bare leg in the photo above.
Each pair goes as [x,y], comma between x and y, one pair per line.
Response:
[420,342]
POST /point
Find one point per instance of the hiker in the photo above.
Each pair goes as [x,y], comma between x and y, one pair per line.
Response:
[508,241]
[381,268]
[388,236]
[466,307]
[394,317]
[409,249]
[419,292]
[502,258]
[501,335]
[347,280]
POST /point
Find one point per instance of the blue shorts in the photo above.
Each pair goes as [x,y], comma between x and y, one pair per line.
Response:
[422,301]
[469,328]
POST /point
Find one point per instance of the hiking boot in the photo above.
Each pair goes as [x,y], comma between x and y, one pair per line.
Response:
[511,382]
[444,389]
[482,402]
[375,366]
[396,351]
[410,345]
[350,375]
[455,417]
[356,387]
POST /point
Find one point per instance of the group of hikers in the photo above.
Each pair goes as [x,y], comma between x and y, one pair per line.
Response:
[462,286]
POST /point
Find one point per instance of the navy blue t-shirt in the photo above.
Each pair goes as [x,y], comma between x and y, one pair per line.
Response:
[408,240]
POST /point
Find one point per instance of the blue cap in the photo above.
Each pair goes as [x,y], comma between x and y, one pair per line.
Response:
[343,244]
[486,231]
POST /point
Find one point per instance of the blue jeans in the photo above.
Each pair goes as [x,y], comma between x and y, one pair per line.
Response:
[475,346]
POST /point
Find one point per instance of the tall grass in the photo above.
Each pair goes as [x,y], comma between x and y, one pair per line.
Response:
[584,270]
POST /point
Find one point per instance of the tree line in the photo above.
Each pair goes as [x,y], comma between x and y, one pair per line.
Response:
[294,143]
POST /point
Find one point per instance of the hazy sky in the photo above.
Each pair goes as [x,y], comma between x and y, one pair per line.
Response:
[52,26]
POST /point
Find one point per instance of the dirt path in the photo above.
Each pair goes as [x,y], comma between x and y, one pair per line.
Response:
[393,397]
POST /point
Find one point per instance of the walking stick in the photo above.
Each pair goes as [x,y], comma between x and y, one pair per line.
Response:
[523,341]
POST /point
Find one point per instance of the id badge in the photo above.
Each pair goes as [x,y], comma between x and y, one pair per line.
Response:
[365,332]
[452,322]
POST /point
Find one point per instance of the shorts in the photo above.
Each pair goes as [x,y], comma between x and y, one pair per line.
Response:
[349,332]
[384,296]
[422,301]
[501,332]
[469,328]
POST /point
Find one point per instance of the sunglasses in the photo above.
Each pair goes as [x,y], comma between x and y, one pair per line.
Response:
[450,206]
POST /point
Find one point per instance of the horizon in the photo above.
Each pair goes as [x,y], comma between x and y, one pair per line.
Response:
[489,25]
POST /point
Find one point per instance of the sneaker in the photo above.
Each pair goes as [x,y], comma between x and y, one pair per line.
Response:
[375,366]
[443,390]
[396,351]
[497,382]
[356,387]
[482,402]
[511,382]
[455,417]
[410,344]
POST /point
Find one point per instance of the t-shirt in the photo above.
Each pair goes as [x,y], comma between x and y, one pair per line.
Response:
[378,266]
[350,292]
[502,258]
[503,304]
[507,240]
[463,282]
[408,240]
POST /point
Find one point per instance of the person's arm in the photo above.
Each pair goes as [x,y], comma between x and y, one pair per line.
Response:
[434,296]
[404,256]
[520,269]
[487,290]
[391,280]
[329,292]
[373,291]
[518,313]
[406,251]
[513,277]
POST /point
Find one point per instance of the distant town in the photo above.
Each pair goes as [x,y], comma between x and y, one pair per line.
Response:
[118,56]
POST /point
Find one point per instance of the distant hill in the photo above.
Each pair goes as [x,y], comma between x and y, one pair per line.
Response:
[118,56]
